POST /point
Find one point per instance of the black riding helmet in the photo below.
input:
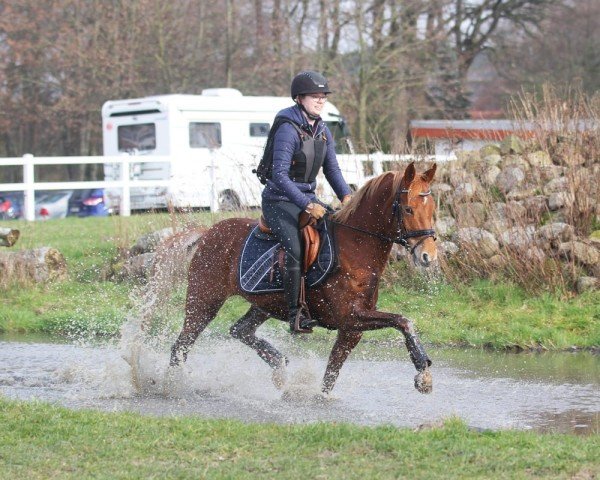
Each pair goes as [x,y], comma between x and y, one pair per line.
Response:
[309,82]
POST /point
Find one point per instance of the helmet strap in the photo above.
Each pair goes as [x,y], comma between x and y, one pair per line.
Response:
[309,115]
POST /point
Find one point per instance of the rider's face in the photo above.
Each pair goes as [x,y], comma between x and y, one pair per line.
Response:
[313,102]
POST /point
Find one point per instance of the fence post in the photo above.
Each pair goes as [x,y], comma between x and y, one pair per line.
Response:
[377,159]
[214,195]
[125,206]
[29,191]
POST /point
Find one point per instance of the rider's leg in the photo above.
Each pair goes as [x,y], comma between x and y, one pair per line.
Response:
[292,276]
[282,217]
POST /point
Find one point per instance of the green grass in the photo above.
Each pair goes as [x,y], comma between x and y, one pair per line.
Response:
[500,316]
[85,303]
[482,314]
[38,441]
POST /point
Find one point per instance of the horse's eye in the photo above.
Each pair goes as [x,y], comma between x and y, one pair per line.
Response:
[408,210]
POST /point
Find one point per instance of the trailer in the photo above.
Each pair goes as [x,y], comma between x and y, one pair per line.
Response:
[212,141]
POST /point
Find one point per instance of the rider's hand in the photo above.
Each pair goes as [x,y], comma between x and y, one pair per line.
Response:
[315,210]
[346,200]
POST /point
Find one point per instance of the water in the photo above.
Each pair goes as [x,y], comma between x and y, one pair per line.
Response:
[225,379]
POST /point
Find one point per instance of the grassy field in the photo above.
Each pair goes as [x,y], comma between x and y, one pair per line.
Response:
[481,314]
[38,441]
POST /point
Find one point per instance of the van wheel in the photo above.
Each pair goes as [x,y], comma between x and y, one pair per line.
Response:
[228,201]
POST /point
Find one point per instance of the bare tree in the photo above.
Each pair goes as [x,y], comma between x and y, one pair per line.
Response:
[565,49]
[472,24]
[388,60]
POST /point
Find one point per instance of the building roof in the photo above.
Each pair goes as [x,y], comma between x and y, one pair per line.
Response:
[486,129]
[464,129]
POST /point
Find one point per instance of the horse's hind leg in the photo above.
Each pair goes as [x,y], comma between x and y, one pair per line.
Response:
[344,344]
[197,317]
[244,330]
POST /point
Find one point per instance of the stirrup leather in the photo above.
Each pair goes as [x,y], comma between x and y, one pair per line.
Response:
[303,310]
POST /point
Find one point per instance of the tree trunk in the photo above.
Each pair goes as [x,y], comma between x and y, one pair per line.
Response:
[37,265]
[228,44]
[8,237]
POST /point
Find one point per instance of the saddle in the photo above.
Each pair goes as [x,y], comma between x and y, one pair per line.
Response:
[262,258]
[310,239]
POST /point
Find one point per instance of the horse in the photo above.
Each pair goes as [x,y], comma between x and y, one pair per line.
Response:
[390,208]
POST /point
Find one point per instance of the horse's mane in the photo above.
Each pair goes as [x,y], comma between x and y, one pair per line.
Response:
[367,191]
[369,188]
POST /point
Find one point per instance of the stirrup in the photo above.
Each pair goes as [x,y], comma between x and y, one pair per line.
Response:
[302,314]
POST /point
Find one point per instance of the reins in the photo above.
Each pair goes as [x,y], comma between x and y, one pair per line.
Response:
[402,235]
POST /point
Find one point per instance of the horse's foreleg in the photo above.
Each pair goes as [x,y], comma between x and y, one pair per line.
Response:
[244,330]
[345,342]
[374,320]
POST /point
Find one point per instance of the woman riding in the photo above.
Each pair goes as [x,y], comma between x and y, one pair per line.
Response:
[302,146]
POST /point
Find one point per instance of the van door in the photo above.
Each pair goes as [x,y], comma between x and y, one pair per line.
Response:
[144,132]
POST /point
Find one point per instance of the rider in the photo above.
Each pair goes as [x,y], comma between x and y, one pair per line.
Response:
[291,188]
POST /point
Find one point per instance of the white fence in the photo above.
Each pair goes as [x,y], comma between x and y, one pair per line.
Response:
[128,180]
[29,185]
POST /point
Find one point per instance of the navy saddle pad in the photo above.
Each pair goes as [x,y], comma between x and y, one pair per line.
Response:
[259,263]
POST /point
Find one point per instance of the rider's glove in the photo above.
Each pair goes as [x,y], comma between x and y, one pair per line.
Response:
[346,199]
[315,210]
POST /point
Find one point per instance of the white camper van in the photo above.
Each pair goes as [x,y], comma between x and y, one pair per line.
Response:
[212,141]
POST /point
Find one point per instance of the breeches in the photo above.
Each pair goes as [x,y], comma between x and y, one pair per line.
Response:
[282,217]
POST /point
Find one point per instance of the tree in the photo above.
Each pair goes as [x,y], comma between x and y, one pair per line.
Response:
[388,60]
[564,49]
[470,27]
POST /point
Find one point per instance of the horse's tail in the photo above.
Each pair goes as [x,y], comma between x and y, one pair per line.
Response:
[169,268]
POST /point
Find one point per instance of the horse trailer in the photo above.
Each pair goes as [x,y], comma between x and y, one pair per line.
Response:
[210,143]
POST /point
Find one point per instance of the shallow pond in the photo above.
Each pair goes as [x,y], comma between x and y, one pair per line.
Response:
[224,379]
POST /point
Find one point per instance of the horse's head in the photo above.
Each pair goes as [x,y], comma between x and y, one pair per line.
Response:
[414,207]
[408,198]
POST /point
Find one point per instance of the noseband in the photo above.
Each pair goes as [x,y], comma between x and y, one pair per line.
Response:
[402,234]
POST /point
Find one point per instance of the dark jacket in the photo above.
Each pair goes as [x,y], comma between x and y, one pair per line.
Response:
[287,142]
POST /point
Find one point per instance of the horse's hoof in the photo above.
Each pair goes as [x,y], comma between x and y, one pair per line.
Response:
[424,381]
[322,399]
[279,377]
[287,396]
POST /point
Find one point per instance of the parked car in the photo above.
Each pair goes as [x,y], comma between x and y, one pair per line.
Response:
[52,204]
[11,205]
[89,203]
[75,201]
[7,210]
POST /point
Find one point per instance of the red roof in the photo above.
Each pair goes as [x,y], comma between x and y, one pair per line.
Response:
[494,130]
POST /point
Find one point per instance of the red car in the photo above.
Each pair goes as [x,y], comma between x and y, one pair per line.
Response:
[7,210]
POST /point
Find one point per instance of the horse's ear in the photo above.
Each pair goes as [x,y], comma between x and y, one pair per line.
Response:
[429,174]
[409,173]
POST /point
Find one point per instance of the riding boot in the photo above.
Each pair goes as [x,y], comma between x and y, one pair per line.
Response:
[291,287]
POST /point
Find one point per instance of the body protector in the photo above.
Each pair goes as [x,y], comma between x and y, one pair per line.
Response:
[307,162]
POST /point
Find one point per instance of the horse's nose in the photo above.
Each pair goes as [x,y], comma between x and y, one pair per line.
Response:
[425,258]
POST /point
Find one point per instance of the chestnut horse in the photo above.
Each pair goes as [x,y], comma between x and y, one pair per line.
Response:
[389,208]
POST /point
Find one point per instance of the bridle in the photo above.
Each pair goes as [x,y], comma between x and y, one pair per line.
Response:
[402,234]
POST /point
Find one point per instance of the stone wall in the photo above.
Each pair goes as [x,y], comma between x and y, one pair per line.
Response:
[515,201]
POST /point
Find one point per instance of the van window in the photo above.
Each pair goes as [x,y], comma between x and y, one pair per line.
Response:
[205,135]
[259,129]
[139,137]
